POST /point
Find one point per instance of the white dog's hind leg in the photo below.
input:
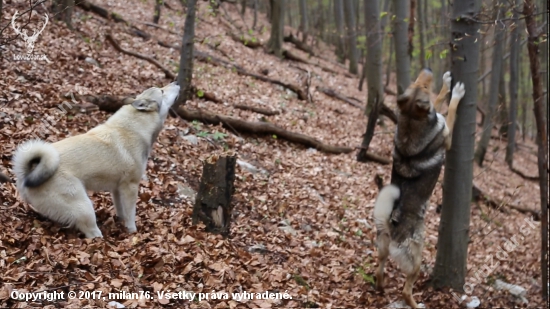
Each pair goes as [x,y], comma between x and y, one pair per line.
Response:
[86,220]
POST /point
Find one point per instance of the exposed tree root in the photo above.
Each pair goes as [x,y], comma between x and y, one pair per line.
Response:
[386,111]
[166,71]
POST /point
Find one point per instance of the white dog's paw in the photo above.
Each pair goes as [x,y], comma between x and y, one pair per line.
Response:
[459,91]
[447,79]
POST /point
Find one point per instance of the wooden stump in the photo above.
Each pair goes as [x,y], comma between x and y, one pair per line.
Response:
[213,202]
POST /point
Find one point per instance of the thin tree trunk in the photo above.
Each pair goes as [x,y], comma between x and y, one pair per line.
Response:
[352,39]
[243,7]
[255,15]
[411,27]
[402,59]
[502,113]
[513,89]
[303,20]
[483,143]
[452,243]
[375,92]
[339,18]
[420,20]
[275,43]
[389,67]
[542,137]
[68,14]
[158,6]
[185,74]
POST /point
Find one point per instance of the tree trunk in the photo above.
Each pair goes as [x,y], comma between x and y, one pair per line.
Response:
[411,27]
[513,89]
[339,18]
[352,39]
[402,59]
[452,243]
[420,20]
[158,6]
[275,43]
[213,201]
[185,73]
[68,14]
[243,7]
[63,10]
[303,20]
[255,15]
[483,143]
[373,63]
[542,137]
[289,11]
[502,114]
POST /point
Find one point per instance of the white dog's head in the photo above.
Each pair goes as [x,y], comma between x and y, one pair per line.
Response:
[157,99]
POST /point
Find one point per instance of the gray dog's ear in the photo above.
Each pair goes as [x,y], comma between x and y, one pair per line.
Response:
[145,105]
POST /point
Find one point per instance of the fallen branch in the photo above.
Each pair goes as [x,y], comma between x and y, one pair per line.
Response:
[203,57]
[299,44]
[479,195]
[233,123]
[166,71]
[290,56]
[369,156]
[258,110]
[523,175]
[88,6]
[386,111]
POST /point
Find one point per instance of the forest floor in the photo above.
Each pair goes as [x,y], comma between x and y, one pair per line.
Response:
[302,218]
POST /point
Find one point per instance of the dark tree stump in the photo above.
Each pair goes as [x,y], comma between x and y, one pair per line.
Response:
[213,202]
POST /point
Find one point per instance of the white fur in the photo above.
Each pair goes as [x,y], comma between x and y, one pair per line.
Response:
[384,205]
[109,157]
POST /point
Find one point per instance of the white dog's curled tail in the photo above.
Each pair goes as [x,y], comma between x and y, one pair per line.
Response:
[34,162]
[384,205]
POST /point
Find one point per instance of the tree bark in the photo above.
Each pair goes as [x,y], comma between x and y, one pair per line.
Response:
[185,73]
[421,29]
[255,15]
[213,202]
[373,63]
[402,59]
[513,89]
[483,143]
[542,137]
[411,27]
[303,20]
[339,18]
[275,43]
[352,38]
[158,6]
[452,244]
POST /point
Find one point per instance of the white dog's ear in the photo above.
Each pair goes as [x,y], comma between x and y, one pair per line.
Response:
[145,105]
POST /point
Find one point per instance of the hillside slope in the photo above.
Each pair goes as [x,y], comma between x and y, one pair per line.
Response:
[303,226]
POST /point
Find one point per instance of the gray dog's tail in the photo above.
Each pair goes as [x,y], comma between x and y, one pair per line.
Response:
[384,205]
[34,163]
